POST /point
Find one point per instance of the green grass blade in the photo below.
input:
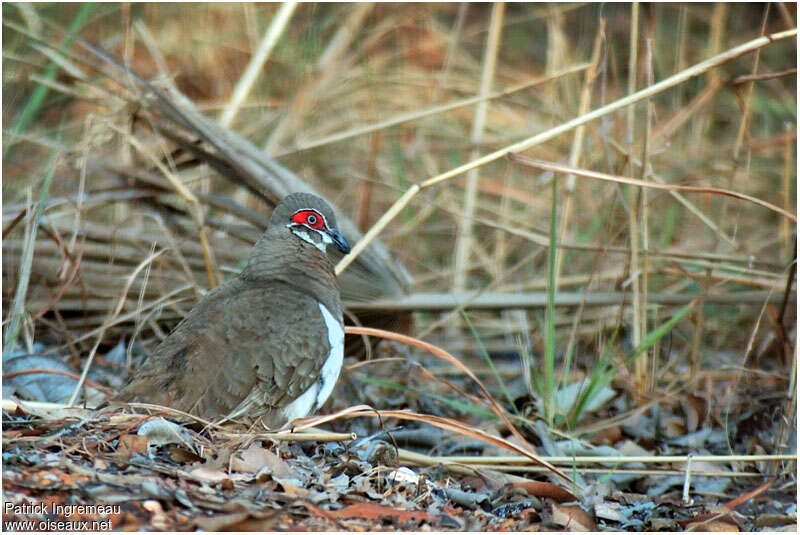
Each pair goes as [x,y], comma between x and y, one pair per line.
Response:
[549,398]
[456,404]
[37,98]
[668,225]
[602,374]
[656,334]
[489,361]
[570,351]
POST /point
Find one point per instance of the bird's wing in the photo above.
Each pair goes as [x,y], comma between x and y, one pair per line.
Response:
[239,338]
[284,334]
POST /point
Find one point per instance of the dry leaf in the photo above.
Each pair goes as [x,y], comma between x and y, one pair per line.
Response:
[573,518]
[714,525]
[208,475]
[220,522]
[130,445]
[609,511]
[257,459]
[159,432]
[291,489]
[608,436]
[543,489]
[374,512]
[179,454]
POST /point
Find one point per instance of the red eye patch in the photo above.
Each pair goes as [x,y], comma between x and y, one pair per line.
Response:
[312,218]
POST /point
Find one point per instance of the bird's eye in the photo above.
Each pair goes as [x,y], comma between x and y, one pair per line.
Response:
[310,218]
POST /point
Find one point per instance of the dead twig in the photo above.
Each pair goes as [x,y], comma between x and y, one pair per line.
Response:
[558,168]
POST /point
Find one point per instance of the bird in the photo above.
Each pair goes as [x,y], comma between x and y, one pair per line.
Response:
[267,344]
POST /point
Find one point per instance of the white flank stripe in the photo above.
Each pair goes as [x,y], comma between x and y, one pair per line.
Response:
[313,398]
[333,365]
[302,406]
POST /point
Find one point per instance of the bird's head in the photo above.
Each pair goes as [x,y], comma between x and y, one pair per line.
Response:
[311,219]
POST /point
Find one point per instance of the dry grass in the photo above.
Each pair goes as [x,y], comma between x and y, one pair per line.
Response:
[390,111]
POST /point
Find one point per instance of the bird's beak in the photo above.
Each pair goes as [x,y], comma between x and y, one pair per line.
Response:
[339,241]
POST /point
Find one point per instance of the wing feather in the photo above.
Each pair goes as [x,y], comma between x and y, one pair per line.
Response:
[239,340]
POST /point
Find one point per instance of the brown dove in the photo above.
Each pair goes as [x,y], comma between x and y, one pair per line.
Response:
[267,344]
